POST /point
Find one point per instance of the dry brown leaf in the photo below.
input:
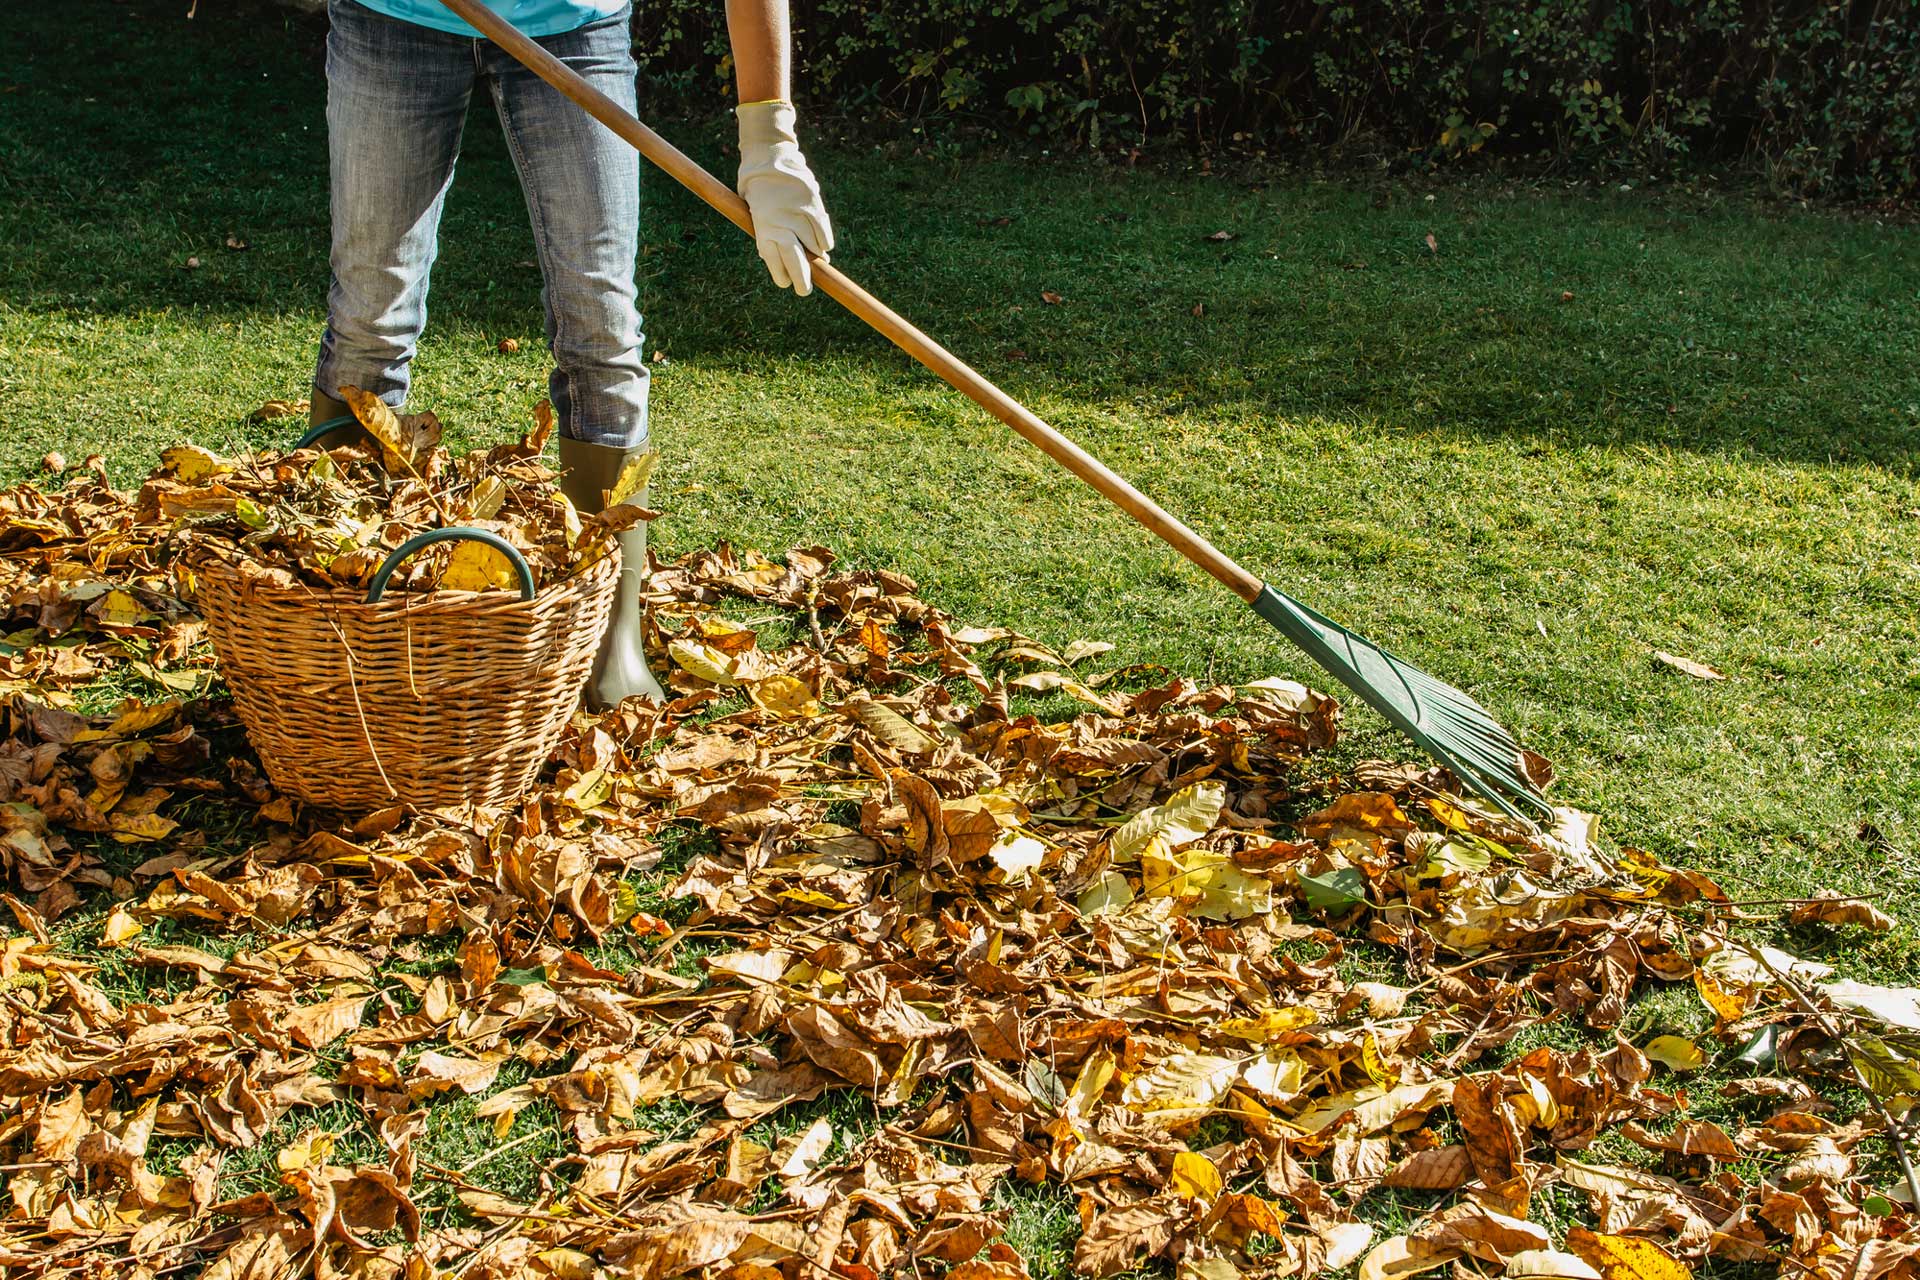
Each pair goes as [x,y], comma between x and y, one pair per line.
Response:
[320,1024]
[1686,666]
[1828,907]
[1435,1169]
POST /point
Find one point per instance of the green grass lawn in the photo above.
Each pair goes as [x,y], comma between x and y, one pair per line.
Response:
[1582,427]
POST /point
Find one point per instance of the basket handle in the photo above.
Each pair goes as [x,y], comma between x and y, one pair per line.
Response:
[320,429]
[431,536]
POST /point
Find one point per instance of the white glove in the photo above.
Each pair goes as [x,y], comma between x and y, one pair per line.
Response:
[788,216]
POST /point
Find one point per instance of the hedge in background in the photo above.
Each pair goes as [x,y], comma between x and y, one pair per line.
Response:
[1825,95]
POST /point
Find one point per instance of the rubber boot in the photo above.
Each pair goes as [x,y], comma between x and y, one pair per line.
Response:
[620,671]
[324,408]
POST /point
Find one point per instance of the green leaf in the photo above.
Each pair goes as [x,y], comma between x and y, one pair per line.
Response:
[1044,1085]
[1759,1053]
[522,977]
[1106,895]
[1335,892]
[1455,855]
[1888,1071]
[248,513]
[1877,1205]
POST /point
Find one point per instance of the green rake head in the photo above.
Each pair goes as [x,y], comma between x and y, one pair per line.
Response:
[1443,720]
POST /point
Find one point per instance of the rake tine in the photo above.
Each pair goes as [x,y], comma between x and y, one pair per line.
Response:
[1447,722]
[1443,720]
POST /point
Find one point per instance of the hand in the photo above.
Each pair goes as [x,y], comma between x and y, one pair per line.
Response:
[788,217]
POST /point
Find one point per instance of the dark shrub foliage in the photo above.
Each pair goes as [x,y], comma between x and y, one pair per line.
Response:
[1825,95]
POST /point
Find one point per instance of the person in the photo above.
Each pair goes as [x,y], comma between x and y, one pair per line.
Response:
[400,74]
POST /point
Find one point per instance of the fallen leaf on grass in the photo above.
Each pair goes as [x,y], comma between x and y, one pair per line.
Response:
[1686,666]
[1675,1052]
[1828,907]
[1402,1256]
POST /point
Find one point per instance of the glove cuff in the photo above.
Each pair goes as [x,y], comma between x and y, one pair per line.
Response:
[765,125]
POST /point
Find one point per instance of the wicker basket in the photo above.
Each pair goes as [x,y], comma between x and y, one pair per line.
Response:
[447,698]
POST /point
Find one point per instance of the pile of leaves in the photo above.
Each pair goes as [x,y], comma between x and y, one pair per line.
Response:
[329,518]
[811,970]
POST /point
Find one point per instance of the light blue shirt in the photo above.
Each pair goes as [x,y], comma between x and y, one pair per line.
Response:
[534,17]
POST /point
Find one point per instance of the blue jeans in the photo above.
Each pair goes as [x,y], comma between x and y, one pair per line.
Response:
[397,97]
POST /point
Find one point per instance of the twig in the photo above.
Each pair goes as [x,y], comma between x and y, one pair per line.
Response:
[1795,902]
[353,687]
[1839,1037]
[813,618]
[520,1141]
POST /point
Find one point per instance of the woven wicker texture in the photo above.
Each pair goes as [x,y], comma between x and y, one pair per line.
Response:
[445,698]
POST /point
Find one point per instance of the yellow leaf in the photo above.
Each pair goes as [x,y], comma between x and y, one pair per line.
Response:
[703,661]
[785,697]
[1276,1075]
[119,929]
[1106,895]
[118,609]
[814,898]
[141,826]
[1206,881]
[570,519]
[1626,1257]
[1675,1052]
[1269,1025]
[1215,1268]
[1375,1065]
[309,1150]
[1645,870]
[1228,893]
[488,497]
[1195,1177]
[1182,1082]
[590,791]
[798,1156]
[475,566]
[191,464]
[139,717]
[382,424]
[1049,681]
[891,727]
[1181,820]
[1096,1073]
[633,479]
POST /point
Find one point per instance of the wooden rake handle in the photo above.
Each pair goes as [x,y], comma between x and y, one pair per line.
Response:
[863,304]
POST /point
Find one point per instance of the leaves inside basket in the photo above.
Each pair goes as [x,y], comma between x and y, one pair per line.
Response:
[328,518]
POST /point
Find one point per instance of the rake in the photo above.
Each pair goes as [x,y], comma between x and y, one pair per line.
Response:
[1457,731]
